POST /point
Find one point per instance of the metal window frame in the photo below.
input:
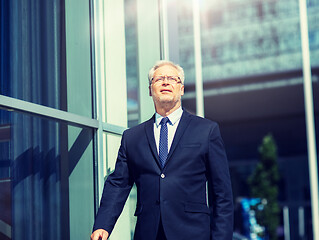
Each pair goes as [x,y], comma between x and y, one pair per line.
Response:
[17,105]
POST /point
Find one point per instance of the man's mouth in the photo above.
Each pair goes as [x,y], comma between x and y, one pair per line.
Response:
[165,90]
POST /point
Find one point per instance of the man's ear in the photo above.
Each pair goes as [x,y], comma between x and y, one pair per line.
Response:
[182,90]
[150,90]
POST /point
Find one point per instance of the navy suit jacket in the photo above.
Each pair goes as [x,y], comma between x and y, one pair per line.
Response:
[177,192]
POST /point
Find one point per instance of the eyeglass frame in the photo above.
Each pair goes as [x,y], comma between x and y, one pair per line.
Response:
[173,80]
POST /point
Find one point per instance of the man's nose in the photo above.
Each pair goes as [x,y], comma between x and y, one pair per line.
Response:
[165,81]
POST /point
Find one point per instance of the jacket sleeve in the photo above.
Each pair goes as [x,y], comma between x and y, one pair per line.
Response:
[219,188]
[116,190]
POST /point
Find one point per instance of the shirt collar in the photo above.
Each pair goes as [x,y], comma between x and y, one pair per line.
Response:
[173,117]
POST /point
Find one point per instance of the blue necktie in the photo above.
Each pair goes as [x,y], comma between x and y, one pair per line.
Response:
[163,142]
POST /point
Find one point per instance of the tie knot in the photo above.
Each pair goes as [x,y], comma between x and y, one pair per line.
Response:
[164,121]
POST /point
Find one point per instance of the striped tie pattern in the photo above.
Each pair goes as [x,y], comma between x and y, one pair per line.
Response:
[163,143]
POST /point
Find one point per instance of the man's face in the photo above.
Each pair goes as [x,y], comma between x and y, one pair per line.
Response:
[166,92]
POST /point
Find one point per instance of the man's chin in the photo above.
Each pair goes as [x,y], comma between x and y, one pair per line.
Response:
[166,99]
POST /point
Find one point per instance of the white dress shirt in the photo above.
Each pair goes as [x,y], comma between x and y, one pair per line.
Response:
[174,119]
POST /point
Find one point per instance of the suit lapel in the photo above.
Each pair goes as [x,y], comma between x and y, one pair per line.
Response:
[183,123]
[149,129]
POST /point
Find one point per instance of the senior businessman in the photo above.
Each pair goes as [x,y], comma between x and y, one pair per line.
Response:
[178,163]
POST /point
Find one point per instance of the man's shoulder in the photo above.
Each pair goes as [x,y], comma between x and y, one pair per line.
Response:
[200,120]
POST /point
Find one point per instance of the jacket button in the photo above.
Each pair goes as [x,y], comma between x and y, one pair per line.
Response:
[162,175]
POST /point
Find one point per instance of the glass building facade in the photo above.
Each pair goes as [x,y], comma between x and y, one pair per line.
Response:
[74,77]
[253,85]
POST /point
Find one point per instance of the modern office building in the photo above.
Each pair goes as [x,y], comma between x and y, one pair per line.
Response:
[253,85]
[73,77]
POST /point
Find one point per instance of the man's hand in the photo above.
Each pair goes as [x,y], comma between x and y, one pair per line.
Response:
[99,234]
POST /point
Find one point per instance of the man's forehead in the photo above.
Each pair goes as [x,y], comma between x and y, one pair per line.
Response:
[166,69]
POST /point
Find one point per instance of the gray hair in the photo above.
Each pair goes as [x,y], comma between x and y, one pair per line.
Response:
[163,63]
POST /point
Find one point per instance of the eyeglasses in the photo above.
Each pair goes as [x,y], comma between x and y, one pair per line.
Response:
[170,79]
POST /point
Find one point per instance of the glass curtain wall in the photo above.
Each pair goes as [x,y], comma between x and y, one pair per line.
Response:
[46,166]
[121,67]
[30,169]
[253,86]
[73,77]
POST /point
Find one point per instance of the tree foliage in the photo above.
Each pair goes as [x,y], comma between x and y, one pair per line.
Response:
[263,184]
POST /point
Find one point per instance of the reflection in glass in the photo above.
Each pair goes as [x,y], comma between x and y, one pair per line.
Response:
[127,220]
[37,170]
[131,62]
[32,51]
[253,85]
[186,39]
[313,27]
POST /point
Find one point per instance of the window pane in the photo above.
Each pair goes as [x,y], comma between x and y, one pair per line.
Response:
[45,191]
[124,228]
[186,40]
[131,62]
[78,57]
[30,65]
[143,50]
[313,22]
[34,62]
